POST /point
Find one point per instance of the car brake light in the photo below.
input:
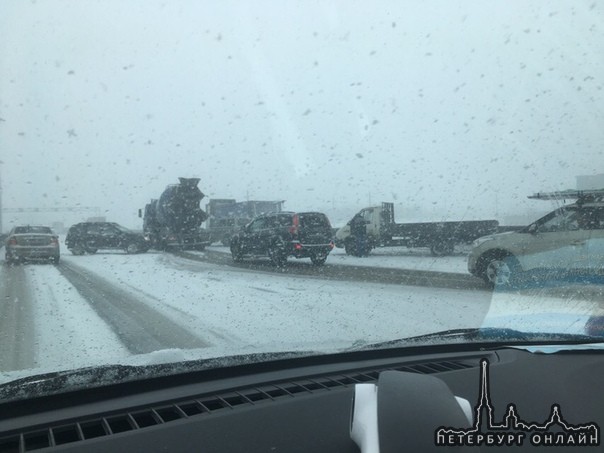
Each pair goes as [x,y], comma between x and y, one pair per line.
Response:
[331,245]
[298,246]
[12,241]
[54,241]
[295,224]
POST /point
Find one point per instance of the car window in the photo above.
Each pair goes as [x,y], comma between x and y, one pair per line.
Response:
[258,224]
[283,220]
[32,229]
[367,215]
[313,220]
[108,230]
[94,229]
[272,221]
[561,220]
[590,218]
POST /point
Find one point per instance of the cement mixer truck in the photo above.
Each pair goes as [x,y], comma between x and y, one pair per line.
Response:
[173,221]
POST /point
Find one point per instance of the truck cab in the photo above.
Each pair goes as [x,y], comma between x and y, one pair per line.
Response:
[374,230]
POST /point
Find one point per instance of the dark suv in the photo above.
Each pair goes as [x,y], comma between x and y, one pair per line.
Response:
[283,234]
[88,237]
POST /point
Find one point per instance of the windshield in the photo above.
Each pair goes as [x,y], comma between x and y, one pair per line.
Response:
[32,229]
[311,219]
[185,120]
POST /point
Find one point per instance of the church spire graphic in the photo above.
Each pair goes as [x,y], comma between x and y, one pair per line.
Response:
[484,406]
[512,430]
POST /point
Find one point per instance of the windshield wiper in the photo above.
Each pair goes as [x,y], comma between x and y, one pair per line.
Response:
[492,335]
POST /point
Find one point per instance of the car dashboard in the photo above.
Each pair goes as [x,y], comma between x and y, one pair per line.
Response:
[304,404]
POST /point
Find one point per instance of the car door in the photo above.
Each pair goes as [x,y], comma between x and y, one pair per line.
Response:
[253,234]
[269,232]
[111,237]
[92,236]
[557,241]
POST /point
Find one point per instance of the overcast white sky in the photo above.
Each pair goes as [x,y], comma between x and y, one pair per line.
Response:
[460,108]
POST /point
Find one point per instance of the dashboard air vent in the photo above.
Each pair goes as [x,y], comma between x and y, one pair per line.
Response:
[204,405]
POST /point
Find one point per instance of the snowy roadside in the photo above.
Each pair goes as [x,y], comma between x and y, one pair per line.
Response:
[397,258]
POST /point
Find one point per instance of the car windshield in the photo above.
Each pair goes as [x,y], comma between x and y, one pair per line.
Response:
[32,230]
[414,132]
[311,219]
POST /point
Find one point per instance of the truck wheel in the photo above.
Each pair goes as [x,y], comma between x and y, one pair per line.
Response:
[500,270]
[132,248]
[276,253]
[442,248]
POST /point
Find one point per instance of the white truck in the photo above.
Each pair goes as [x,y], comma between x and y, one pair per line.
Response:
[381,230]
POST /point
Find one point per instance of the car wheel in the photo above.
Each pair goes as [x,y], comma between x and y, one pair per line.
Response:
[77,250]
[90,249]
[500,270]
[319,258]
[276,252]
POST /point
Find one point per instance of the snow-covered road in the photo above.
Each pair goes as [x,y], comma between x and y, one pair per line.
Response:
[110,306]
[117,308]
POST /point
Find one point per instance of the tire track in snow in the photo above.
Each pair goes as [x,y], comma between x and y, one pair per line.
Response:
[17,336]
[140,328]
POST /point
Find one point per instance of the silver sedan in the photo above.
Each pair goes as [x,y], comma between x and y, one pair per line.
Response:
[32,243]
